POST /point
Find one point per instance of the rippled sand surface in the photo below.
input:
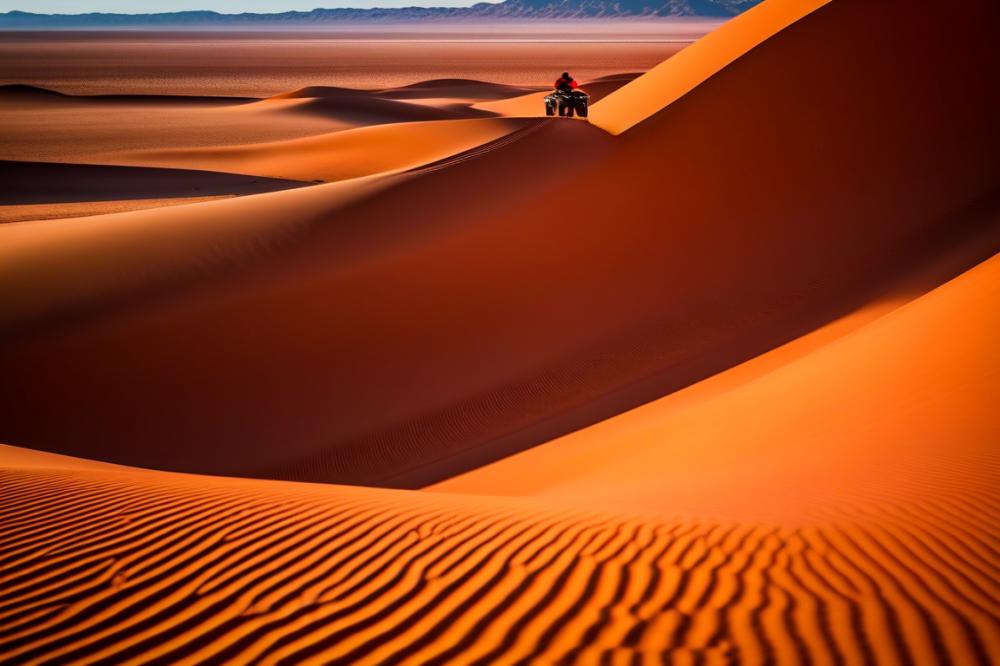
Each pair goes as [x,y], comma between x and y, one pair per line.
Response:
[416,375]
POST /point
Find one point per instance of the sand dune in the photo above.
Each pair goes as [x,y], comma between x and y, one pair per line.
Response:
[272,572]
[19,93]
[713,384]
[850,539]
[58,128]
[341,155]
[53,190]
[200,133]
[455,88]
[151,565]
[463,314]
[82,264]
[898,410]
[50,182]
[861,539]
[357,108]
[77,264]
[666,83]
[58,211]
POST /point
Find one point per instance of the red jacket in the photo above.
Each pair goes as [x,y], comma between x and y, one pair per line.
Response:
[573,85]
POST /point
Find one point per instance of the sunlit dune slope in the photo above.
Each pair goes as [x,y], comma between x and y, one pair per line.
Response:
[865,475]
[901,409]
[838,508]
[250,136]
[340,155]
[58,211]
[47,125]
[489,304]
[78,264]
[51,127]
[677,76]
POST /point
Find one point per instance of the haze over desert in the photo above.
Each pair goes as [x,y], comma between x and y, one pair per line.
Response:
[328,345]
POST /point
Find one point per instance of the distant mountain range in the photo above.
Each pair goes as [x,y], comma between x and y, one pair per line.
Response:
[527,9]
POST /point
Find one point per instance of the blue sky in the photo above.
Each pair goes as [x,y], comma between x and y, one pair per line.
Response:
[228,6]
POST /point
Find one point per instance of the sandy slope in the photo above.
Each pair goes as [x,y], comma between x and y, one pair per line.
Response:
[135,565]
[292,133]
[862,529]
[54,190]
[667,83]
[899,409]
[342,155]
[56,182]
[832,501]
[468,312]
[49,127]
[35,212]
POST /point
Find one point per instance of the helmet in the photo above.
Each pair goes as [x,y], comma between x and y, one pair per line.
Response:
[566,75]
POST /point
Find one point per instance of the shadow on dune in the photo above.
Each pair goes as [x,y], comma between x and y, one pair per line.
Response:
[364,107]
[23,93]
[462,88]
[474,311]
[52,182]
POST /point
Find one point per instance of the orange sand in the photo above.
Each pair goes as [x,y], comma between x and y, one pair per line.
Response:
[341,155]
[715,385]
[876,543]
[403,328]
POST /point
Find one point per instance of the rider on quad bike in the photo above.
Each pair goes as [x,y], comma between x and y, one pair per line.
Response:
[566,83]
[567,99]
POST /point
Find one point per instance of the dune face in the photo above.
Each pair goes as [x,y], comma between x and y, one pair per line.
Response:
[52,190]
[448,318]
[710,380]
[41,182]
[892,560]
[896,413]
[362,151]
[248,571]
[865,539]
[665,84]
[301,134]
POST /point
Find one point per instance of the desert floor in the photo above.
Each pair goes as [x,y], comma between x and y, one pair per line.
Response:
[332,348]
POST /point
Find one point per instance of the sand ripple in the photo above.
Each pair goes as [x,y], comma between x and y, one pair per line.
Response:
[130,566]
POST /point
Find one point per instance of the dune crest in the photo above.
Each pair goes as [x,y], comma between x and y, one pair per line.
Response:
[342,155]
[673,78]
[712,383]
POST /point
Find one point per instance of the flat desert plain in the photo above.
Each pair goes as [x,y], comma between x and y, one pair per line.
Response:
[333,348]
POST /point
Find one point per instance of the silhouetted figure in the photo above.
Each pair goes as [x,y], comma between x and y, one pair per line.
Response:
[566,83]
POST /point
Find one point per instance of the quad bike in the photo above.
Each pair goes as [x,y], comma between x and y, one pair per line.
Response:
[567,102]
